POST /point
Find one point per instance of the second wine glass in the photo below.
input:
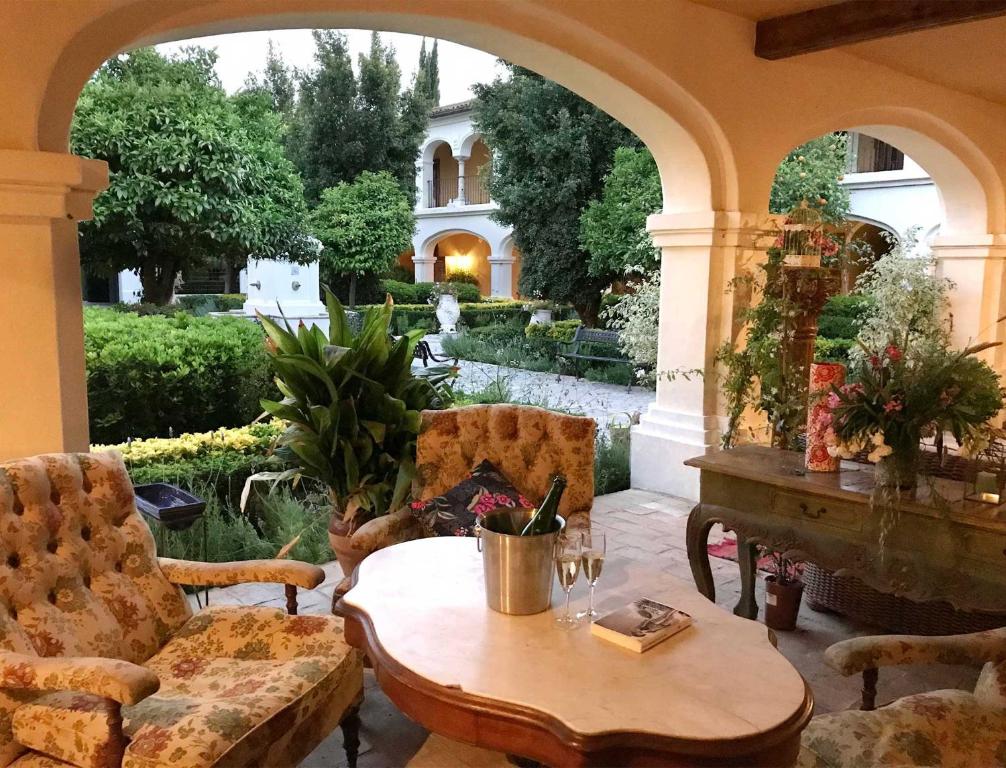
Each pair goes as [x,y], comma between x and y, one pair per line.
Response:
[592,547]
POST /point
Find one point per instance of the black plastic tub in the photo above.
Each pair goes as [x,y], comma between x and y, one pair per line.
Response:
[169,505]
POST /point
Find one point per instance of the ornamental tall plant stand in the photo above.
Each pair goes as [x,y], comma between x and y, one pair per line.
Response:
[806,287]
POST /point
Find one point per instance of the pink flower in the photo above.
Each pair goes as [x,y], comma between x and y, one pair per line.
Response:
[524,501]
[834,401]
[875,361]
[893,406]
[502,500]
[417,504]
[893,353]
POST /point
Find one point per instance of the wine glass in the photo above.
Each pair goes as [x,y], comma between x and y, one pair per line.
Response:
[567,566]
[592,547]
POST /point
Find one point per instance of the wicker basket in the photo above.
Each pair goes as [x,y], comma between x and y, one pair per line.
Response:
[850,597]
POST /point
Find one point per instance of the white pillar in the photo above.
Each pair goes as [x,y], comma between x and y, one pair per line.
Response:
[424,268]
[461,180]
[701,252]
[425,176]
[501,275]
[976,263]
[43,390]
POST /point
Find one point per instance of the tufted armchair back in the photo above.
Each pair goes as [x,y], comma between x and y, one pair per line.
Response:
[528,445]
[78,567]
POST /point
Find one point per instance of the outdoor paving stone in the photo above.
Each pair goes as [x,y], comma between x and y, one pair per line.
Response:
[657,540]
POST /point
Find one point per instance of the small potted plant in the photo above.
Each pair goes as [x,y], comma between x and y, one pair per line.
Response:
[541,311]
[444,296]
[783,593]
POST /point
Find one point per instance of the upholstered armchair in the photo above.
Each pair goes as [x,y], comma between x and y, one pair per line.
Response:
[102,662]
[529,445]
[940,728]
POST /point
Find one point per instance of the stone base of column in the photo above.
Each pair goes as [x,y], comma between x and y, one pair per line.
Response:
[661,443]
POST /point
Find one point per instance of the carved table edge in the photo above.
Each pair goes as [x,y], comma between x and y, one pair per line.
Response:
[535,724]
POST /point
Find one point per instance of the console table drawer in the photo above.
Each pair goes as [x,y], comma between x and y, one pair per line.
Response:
[986,545]
[818,511]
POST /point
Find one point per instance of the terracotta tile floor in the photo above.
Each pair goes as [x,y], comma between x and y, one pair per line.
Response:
[642,526]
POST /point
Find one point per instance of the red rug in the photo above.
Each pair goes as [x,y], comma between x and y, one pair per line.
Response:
[727,550]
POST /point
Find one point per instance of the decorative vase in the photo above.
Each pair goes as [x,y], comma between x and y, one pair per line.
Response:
[823,376]
[900,470]
[448,313]
[541,317]
[782,603]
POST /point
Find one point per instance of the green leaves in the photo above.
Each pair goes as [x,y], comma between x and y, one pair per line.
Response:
[353,406]
[195,174]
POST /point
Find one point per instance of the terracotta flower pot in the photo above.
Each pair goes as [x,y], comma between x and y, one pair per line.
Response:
[782,603]
[340,537]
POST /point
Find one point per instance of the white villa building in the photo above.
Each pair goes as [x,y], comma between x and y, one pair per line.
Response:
[453,228]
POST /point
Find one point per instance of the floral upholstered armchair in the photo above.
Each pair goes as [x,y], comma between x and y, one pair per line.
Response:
[941,728]
[528,445]
[102,662]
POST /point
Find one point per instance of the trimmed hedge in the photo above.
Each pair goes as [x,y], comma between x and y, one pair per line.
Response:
[838,326]
[220,460]
[561,330]
[200,304]
[408,317]
[147,375]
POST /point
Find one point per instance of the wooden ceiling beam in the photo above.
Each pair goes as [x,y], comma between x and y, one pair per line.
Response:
[855,21]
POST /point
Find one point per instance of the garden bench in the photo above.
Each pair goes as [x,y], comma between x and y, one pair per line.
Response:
[571,350]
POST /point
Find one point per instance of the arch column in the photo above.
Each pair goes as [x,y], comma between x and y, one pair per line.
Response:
[423,259]
[501,275]
[461,200]
[43,392]
[976,262]
[701,252]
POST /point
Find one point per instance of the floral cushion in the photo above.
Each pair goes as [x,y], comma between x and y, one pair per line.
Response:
[455,512]
[79,728]
[234,680]
[941,728]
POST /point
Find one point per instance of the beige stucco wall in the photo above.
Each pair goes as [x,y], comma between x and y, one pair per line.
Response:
[681,75]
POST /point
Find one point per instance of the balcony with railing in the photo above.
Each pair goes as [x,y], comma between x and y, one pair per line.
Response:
[442,192]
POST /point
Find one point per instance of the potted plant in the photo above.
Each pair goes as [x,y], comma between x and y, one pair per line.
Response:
[444,296]
[541,311]
[906,391]
[783,593]
[352,411]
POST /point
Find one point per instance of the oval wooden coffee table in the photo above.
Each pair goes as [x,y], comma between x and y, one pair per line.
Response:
[717,694]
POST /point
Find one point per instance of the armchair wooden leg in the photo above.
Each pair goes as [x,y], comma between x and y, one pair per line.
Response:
[869,689]
[291,599]
[351,735]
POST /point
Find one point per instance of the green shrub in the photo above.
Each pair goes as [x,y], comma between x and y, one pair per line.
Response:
[220,460]
[147,375]
[460,276]
[561,330]
[611,462]
[145,310]
[842,316]
[200,304]
[832,350]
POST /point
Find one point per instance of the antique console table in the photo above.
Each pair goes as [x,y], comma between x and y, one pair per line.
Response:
[943,547]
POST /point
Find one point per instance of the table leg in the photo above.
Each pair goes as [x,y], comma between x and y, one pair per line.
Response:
[696,537]
[747,560]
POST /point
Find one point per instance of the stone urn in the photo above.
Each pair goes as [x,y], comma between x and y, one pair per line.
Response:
[541,317]
[448,313]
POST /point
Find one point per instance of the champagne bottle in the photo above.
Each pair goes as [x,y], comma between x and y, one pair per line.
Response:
[544,517]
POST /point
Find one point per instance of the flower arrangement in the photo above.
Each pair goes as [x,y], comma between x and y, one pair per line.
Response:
[904,392]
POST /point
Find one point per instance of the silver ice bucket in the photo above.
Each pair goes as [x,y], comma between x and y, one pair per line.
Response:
[518,569]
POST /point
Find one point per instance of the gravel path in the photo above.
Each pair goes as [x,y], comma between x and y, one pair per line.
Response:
[605,403]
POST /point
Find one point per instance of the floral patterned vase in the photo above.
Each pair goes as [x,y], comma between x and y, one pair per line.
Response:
[822,377]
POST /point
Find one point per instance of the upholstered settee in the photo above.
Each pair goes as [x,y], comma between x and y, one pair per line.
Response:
[102,662]
[956,728]
[528,445]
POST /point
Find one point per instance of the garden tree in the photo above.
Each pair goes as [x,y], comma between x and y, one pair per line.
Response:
[428,74]
[552,151]
[364,225]
[278,80]
[812,172]
[194,174]
[613,228]
[345,124]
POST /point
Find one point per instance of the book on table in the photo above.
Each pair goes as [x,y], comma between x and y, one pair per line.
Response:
[641,624]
